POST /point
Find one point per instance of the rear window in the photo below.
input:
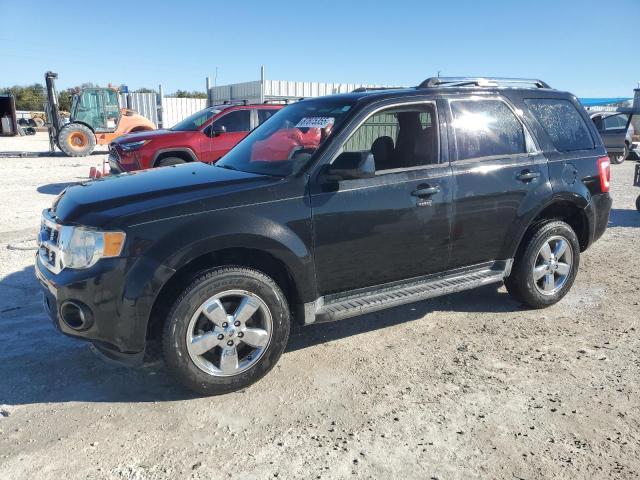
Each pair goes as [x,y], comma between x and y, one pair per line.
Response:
[562,122]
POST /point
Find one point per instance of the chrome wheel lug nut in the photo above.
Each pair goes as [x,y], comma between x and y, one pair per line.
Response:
[240,334]
[220,336]
[236,323]
[225,325]
[230,343]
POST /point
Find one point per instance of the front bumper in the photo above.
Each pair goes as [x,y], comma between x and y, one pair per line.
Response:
[120,162]
[114,326]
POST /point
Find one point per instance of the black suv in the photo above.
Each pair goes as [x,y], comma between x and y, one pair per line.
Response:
[407,194]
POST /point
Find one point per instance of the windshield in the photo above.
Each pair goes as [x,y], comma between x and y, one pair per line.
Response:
[195,121]
[285,142]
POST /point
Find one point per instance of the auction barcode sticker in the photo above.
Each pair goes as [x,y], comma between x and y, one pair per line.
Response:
[315,122]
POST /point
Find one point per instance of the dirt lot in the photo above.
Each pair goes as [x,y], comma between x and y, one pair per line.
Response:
[465,386]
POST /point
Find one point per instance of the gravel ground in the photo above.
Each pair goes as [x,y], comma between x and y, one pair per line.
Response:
[465,386]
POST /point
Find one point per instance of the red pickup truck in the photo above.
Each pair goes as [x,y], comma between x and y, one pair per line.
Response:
[204,136]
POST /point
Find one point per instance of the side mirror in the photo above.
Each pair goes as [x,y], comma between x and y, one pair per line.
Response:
[217,130]
[351,166]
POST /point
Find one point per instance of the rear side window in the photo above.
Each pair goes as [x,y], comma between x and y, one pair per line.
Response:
[486,128]
[265,114]
[562,122]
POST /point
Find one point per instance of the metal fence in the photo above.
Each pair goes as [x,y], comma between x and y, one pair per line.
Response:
[173,109]
[176,109]
[260,91]
[146,104]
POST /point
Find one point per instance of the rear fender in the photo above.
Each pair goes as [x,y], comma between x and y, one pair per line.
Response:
[574,199]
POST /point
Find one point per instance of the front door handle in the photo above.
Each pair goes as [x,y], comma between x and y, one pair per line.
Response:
[426,191]
[527,175]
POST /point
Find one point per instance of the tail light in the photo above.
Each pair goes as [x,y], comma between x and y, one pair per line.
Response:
[604,170]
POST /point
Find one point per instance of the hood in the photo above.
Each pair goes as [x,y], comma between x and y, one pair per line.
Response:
[96,202]
[145,135]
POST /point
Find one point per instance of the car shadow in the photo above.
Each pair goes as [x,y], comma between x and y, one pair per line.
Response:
[38,364]
[624,218]
[54,188]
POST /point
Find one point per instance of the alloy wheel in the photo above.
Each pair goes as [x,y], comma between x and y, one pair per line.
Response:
[229,333]
[553,265]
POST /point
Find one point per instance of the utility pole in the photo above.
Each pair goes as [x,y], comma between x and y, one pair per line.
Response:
[262,84]
[208,86]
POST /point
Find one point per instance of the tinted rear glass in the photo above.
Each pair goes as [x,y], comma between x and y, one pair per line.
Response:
[486,128]
[562,122]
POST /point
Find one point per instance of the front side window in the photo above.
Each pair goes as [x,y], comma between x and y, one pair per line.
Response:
[235,121]
[286,142]
[398,137]
[562,122]
[486,128]
[615,122]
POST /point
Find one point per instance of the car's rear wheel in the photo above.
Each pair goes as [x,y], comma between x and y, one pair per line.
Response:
[638,203]
[620,157]
[546,266]
[226,330]
[168,161]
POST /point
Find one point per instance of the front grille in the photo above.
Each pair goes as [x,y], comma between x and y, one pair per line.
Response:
[113,155]
[50,241]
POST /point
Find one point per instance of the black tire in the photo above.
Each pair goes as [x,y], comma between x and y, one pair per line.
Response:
[168,161]
[76,140]
[521,284]
[620,158]
[638,203]
[174,338]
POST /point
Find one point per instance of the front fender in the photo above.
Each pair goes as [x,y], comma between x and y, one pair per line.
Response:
[282,231]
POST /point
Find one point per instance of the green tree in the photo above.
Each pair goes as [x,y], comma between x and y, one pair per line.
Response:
[31,97]
[144,90]
[187,94]
[64,100]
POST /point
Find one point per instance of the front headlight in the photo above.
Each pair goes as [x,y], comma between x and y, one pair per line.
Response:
[127,147]
[82,247]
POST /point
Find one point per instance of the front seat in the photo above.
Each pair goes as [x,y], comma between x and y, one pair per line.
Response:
[382,151]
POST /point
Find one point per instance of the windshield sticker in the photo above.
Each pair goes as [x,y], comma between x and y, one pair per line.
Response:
[315,122]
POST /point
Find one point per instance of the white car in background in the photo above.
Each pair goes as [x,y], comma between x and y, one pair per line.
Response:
[617,138]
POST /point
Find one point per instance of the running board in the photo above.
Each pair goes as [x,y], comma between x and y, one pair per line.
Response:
[359,302]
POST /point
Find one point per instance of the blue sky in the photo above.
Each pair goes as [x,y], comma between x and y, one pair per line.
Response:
[579,45]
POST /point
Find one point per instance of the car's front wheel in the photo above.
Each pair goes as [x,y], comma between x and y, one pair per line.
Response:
[546,265]
[169,161]
[226,330]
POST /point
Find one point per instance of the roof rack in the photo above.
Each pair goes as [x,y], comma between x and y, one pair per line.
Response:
[482,82]
[373,89]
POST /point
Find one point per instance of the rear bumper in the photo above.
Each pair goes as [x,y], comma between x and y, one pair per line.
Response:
[598,212]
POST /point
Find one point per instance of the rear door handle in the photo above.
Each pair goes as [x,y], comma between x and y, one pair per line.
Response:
[527,175]
[426,191]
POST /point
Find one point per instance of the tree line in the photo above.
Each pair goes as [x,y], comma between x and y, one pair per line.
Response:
[33,97]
